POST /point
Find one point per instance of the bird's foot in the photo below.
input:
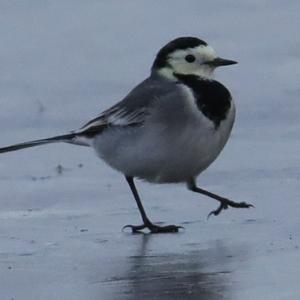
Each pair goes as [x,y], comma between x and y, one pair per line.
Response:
[225,203]
[153,228]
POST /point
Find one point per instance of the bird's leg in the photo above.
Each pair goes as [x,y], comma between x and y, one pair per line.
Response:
[147,223]
[224,202]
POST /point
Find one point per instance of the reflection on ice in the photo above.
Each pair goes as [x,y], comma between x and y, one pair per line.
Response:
[192,274]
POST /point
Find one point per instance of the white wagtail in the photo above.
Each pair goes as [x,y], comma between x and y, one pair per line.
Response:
[168,129]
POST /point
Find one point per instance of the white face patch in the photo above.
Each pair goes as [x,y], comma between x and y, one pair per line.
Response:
[205,53]
[178,63]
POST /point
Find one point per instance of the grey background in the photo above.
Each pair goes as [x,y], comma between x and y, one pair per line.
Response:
[63,62]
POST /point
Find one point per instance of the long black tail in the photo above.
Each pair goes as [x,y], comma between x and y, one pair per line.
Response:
[67,138]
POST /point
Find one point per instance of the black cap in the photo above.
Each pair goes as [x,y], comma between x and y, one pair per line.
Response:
[180,43]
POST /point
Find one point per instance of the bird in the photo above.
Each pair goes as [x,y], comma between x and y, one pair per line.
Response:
[167,129]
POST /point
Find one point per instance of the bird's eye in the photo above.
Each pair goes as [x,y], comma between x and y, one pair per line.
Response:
[190,58]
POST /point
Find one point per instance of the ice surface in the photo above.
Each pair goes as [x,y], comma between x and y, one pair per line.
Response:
[61,63]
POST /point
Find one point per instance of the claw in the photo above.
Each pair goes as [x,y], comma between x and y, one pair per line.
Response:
[226,204]
[153,228]
[134,229]
[216,212]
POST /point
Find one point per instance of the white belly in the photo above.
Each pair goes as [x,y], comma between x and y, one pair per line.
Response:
[161,154]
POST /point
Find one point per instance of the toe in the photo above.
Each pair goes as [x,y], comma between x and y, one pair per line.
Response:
[134,229]
[165,229]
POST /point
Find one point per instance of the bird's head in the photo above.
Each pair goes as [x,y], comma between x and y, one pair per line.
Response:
[188,56]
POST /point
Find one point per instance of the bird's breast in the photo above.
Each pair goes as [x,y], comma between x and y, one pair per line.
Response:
[212,98]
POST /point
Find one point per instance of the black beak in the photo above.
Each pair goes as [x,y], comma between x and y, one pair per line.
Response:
[217,62]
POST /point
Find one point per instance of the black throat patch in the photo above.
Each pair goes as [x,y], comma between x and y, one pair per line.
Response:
[212,97]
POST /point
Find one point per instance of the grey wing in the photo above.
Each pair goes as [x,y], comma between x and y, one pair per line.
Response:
[133,109]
